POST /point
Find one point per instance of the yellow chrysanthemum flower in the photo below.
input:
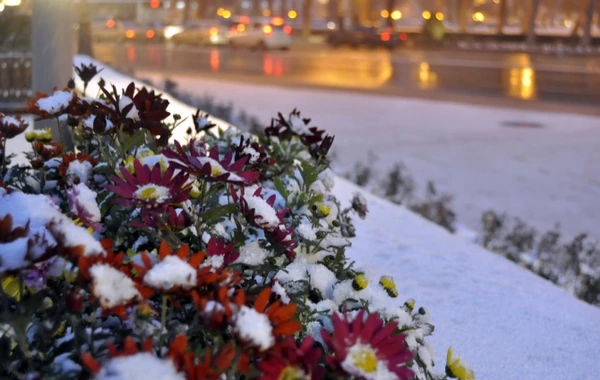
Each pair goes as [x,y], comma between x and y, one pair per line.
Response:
[10,286]
[457,368]
[44,135]
[389,285]
[360,282]
[325,210]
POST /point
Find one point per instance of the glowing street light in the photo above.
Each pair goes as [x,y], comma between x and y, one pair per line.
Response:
[426,15]
[439,16]
[396,15]
[292,14]
[478,17]
[226,13]
[12,3]
[1,7]
[220,11]
[385,13]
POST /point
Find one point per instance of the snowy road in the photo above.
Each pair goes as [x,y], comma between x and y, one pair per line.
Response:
[543,175]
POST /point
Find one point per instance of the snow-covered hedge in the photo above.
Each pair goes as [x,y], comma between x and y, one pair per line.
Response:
[222,256]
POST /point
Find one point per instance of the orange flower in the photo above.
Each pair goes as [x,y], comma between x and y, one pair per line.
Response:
[210,368]
[279,314]
[82,158]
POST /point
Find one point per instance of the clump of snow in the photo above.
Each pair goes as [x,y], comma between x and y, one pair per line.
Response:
[86,199]
[254,327]
[88,123]
[140,366]
[55,103]
[78,170]
[267,214]
[112,287]
[327,176]
[215,261]
[280,291]
[171,272]
[252,153]
[252,254]
[298,126]
[133,113]
[319,276]
[307,232]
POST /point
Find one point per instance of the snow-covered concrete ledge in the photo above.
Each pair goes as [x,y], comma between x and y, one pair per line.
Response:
[507,322]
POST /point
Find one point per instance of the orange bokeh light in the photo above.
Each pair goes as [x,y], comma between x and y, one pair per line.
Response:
[130,33]
[154,4]
[150,33]
[110,23]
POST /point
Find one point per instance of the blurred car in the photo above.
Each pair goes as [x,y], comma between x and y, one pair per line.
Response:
[361,36]
[149,32]
[109,30]
[263,34]
[201,33]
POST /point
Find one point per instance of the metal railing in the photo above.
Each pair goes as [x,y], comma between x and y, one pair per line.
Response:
[15,81]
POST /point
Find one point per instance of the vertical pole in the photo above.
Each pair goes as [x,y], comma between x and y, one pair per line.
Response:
[52,45]
[502,16]
[533,11]
[587,28]
[465,14]
[84,43]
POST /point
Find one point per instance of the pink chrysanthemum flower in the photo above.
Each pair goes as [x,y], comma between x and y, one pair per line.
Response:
[367,348]
[150,187]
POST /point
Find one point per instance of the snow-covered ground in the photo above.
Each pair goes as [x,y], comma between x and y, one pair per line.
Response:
[544,175]
[507,322]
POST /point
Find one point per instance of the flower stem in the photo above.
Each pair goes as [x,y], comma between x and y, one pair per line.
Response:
[2,159]
[62,140]
[163,320]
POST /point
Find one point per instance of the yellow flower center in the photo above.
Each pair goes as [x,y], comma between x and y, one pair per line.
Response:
[389,285]
[10,286]
[149,193]
[325,210]
[364,359]
[215,171]
[360,282]
[292,373]
[152,192]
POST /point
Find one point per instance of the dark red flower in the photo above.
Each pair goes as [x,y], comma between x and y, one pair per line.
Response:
[211,168]
[261,214]
[218,248]
[142,110]
[295,125]
[256,153]
[288,361]
[11,126]
[150,187]
[44,152]
[367,348]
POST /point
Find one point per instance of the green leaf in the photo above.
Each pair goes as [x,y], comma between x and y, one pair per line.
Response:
[218,212]
[281,187]
[137,139]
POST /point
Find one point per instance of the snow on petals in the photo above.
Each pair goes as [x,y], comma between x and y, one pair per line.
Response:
[55,103]
[138,367]
[262,210]
[45,230]
[254,327]
[171,272]
[112,287]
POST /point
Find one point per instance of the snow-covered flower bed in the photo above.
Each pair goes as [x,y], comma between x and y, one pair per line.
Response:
[220,256]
